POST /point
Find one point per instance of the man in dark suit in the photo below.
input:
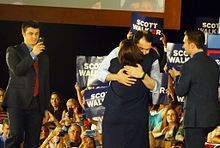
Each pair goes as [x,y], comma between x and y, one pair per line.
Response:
[198,81]
[27,94]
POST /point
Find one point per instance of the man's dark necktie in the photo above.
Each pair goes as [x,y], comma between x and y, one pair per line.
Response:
[36,88]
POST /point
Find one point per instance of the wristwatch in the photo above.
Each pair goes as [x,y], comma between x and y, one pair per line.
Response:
[143,76]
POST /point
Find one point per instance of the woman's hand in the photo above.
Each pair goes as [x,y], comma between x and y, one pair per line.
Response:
[136,72]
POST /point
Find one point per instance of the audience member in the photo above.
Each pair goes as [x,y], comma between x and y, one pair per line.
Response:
[169,124]
[74,133]
[56,105]
[88,142]
[156,116]
[3,114]
[214,136]
[48,142]
[2,94]
[178,107]
[44,133]
[168,130]
[71,114]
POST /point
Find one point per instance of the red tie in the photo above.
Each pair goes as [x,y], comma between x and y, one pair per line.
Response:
[36,88]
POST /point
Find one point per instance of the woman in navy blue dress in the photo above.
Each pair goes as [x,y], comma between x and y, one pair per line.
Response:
[125,123]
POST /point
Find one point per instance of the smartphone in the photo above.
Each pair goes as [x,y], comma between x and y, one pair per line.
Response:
[41,39]
[61,134]
[70,112]
[90,133]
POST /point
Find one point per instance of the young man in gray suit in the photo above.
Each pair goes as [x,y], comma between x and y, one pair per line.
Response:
[27,94]
[198,81]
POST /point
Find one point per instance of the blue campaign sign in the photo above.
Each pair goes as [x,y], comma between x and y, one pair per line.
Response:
[213,48]
[163,96]
[214,41]
[94,99]
[141,22]
[86,67]
[163,99]
[208,24]
[176,56]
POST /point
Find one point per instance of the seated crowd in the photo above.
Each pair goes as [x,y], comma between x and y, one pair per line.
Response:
[66,125]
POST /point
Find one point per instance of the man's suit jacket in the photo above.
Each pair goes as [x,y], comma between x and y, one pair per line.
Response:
[199,82]
[20,89]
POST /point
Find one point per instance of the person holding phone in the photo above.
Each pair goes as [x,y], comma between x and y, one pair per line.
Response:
[28,92]
[71,114]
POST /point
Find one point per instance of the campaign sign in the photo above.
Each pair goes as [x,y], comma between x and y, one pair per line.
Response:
[215,54]
[214,41]
[208,25]
[94,99]
[141,22]
[214,47]
[176,56]
[163,99]
[163,96]
[86,67]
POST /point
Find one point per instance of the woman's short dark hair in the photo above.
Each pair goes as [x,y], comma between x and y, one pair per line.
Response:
[129,54]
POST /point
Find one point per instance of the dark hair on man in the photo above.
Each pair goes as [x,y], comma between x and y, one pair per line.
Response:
[129,54]
[174,104]
[143,33]
[2,89]
[30,23]
[196,36]
[5,122]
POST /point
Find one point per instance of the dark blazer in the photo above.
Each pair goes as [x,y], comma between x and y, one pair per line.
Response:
[20,89]
[199,82]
